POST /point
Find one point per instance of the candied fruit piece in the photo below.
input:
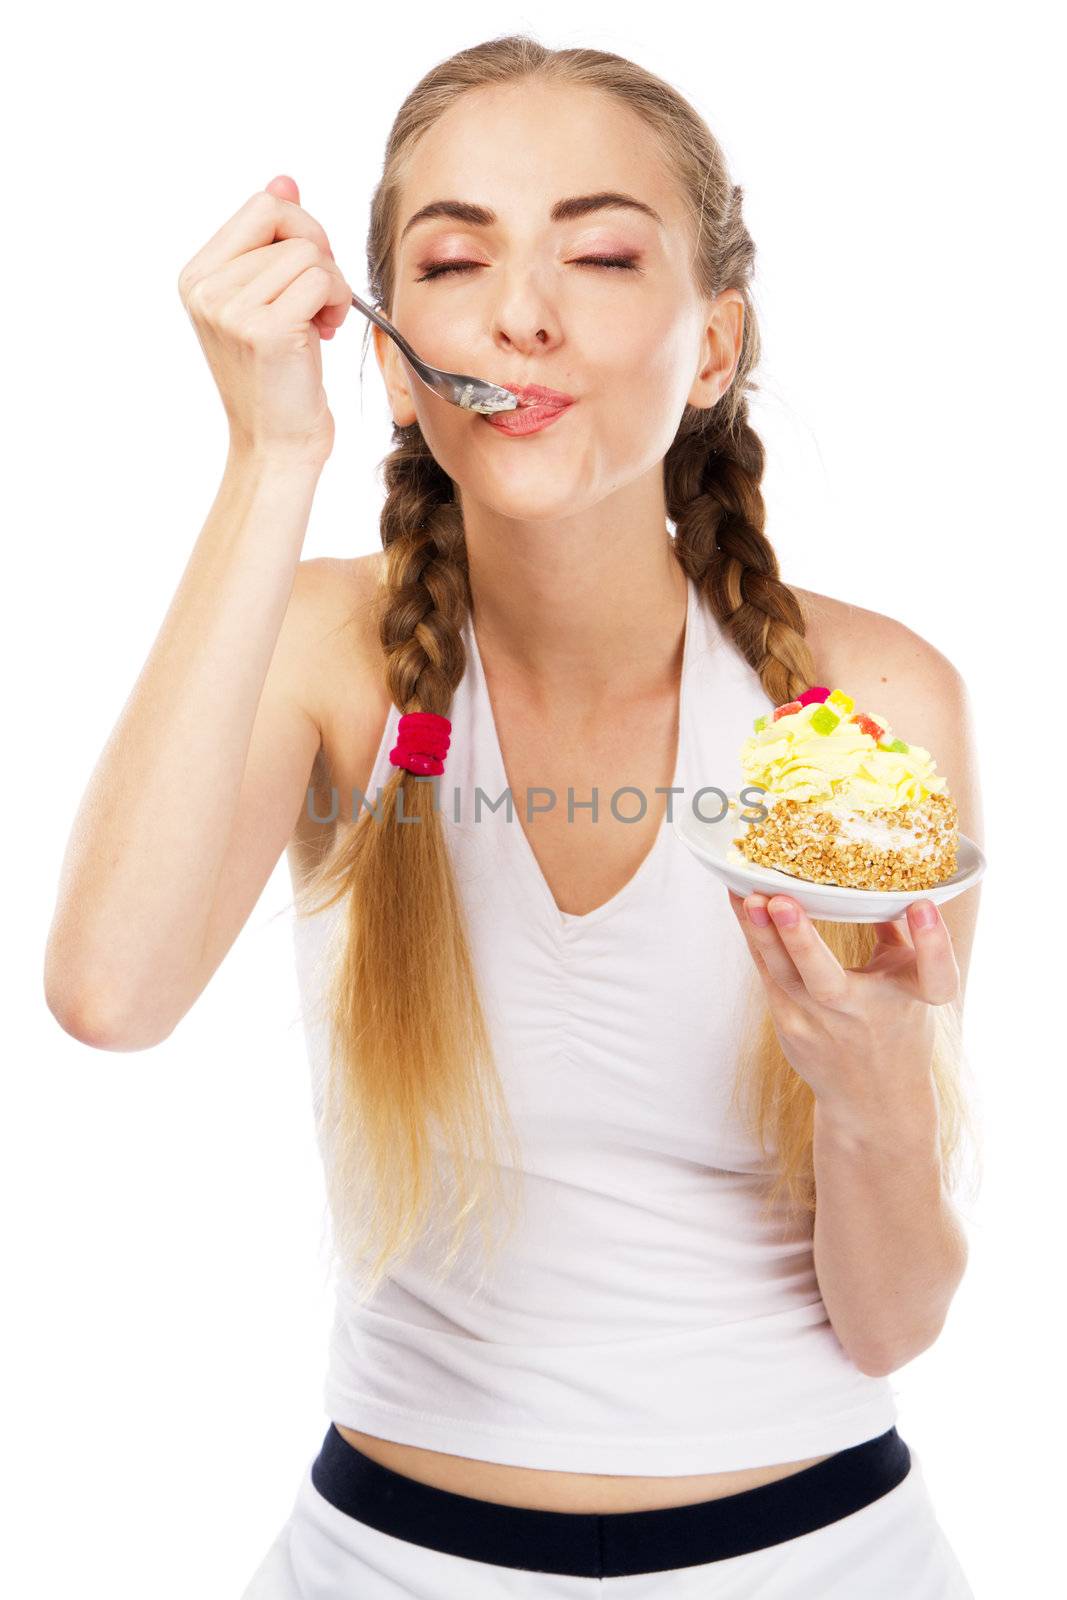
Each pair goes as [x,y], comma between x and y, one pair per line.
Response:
[842,701]
[817,693]
[868,724]
[824,720]
[894,744]
[760,722]
[786,710]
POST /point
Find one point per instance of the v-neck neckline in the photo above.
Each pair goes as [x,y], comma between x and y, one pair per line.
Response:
[569,920]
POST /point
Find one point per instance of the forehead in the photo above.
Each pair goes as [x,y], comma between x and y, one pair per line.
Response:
[517,148]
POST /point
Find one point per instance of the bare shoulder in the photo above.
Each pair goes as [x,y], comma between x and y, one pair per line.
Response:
[893,672]
[335,593]
[842,633]
[335,601]
[886,666]
[337,598]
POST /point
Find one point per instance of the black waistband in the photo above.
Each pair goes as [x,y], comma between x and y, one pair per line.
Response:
[607,1544]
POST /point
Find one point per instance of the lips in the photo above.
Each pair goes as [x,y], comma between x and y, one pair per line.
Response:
[535,394]
[537,408]
[526,419]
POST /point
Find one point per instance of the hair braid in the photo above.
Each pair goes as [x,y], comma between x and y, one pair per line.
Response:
[410,1048]
[426,589]
[714,499]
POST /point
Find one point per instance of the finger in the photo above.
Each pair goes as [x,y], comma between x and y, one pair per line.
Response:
[335,311]
[284,187]
[260,277]
[784,1004]
[764,941]
[310,296]
[937,973]
[821,973]
[737,905]
[330,318]
[263,219]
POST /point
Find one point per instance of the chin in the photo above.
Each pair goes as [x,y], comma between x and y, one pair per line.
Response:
[525,495]
[529,508]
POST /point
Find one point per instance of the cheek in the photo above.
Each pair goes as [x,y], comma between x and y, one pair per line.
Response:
[648,358]
[642,383]
[670,354]
[446,324]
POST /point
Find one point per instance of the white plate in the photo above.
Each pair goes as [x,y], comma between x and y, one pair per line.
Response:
[712,843]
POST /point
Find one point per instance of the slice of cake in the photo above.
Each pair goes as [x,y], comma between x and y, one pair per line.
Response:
[847,802]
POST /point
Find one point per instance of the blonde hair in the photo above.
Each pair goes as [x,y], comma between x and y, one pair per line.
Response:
[411,1062]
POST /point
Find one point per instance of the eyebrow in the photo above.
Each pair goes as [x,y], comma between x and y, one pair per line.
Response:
[563,211]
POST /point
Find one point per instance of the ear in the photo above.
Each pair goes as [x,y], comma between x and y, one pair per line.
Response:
[721,348]
[395,376]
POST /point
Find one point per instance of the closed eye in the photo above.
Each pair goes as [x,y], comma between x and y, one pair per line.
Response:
[625,262]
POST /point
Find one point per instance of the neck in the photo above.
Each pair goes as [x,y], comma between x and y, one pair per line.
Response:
[576,615]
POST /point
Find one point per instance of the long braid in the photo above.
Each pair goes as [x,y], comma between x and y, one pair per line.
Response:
[712,475]
[411,1056]
[714,498]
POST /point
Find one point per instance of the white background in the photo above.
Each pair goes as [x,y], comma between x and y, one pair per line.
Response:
[164,1235]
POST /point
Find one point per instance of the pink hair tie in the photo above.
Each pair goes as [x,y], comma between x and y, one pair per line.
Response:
[422,743]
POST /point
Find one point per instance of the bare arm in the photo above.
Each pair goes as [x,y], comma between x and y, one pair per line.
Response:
[200,783]
[890,1251]
[890,1247]
[219,699]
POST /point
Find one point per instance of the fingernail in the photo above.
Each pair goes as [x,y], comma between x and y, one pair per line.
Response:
[757,915]
[925,914]
[785,915]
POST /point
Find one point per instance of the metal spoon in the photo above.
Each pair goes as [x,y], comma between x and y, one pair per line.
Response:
[472,394]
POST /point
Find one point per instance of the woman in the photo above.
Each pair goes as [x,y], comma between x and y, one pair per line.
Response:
[669,1376]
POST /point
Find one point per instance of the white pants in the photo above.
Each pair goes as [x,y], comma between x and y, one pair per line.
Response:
[891,1549]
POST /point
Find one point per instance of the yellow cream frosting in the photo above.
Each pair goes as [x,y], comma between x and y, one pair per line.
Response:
[792,760]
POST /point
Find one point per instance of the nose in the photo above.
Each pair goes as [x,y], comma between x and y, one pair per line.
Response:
[517,340]
[524,320]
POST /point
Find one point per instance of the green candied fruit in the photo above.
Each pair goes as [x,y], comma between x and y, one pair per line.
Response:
[897,744]
[760,722]
[823,720]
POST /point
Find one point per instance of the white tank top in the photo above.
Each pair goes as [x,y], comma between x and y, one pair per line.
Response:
[643,1319]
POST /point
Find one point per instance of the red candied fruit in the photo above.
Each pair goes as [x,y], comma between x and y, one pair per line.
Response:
[786,711]
[868,724]
[816,694]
